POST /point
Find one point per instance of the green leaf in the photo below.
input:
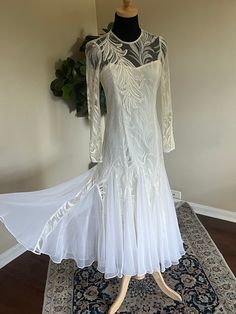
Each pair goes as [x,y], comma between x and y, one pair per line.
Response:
[67,91]
[56,87]
[59,73]
[70,82]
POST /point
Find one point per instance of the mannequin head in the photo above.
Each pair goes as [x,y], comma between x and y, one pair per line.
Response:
[127,3]
[127,10]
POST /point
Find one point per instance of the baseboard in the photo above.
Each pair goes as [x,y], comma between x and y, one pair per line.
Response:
[10,254]
[210,211]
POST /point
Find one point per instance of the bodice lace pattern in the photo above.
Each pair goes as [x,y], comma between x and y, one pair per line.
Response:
[108,51]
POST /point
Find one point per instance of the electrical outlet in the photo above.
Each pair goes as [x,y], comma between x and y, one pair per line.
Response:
[176,194]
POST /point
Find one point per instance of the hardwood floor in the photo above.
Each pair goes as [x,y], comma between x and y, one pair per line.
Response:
[223,234]
[22,284]
[22,281]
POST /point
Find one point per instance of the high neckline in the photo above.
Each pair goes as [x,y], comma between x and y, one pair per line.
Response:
[127,42]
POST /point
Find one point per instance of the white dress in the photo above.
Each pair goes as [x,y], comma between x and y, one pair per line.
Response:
[120,212]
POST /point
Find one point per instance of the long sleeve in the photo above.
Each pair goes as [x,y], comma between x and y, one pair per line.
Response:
[166,101]
[93,61]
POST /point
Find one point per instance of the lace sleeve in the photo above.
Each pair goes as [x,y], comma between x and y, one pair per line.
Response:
[166,101]
[93,61]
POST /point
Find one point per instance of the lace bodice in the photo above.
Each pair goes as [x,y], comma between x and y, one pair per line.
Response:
[110,52]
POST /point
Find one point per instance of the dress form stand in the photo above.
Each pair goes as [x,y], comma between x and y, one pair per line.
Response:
[124,287]
[126,18]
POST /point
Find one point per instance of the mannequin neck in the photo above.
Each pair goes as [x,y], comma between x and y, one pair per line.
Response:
[126,28]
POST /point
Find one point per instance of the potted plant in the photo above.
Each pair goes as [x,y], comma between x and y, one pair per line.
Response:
[70,81]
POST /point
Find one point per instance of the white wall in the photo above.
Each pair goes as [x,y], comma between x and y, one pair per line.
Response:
[41,142]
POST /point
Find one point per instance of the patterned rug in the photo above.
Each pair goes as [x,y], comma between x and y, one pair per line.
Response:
[202,278]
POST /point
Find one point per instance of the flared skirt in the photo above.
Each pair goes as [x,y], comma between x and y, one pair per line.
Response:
[127,231]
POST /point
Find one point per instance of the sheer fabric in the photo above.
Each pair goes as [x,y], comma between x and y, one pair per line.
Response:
[109,49]
[120,212]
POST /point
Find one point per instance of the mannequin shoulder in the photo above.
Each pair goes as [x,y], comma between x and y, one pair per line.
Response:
[152,36]
[157,40]
[163,45]
[94,45]
[163,40]
[92,49]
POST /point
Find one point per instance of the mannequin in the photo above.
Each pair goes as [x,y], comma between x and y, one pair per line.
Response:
[126,27]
